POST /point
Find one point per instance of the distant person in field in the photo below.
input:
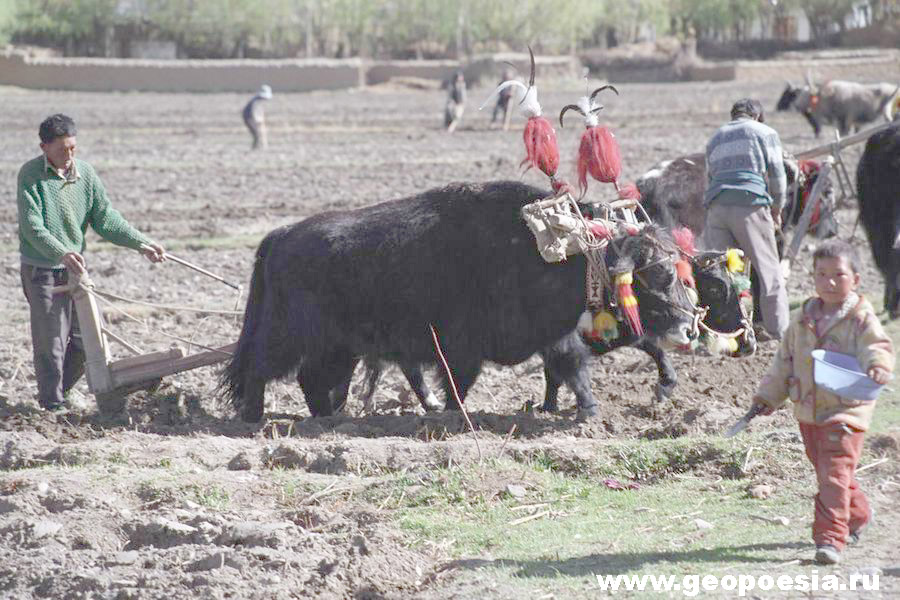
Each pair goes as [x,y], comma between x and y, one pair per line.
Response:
[255,117]
[503,100]
[456,102]
[58,197]
[832,426]
[744,197]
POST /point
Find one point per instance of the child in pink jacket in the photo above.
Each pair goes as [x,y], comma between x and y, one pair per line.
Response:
[839,320]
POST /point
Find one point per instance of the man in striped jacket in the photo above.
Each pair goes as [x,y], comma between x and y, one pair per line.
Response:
[744,198]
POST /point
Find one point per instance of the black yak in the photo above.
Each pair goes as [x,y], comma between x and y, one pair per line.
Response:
[877,182]
[844,104]
[368,283]
[729,311]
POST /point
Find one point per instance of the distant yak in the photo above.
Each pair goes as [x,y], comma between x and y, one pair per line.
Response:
[844,104]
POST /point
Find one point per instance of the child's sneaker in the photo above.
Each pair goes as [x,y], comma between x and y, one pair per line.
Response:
[827,555]
[853,537]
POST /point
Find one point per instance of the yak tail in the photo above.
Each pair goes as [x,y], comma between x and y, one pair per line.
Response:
[233,378]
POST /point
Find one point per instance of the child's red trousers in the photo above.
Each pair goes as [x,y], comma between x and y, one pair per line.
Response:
[841,507]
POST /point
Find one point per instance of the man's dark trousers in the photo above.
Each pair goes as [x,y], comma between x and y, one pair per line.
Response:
[55,337]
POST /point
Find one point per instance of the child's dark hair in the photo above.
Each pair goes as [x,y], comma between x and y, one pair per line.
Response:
[835,248]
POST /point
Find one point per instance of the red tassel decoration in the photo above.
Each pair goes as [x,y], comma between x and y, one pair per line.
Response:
[628,302]
[598,152]
[684,239]
[629,191]
[599,230]
[541,150]
[598,155]
[685,273]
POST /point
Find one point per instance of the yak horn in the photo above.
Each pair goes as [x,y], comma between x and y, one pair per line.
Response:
[531,78]
[604,87]
[503,86]
[569,107]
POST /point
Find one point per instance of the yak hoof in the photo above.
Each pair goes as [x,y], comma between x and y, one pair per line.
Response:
[431,403]
[550,407]
[664,390]
[586,412]
[252,414]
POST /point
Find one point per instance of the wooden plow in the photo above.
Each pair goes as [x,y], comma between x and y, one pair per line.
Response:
[834,150]
[832,162]
[111,380]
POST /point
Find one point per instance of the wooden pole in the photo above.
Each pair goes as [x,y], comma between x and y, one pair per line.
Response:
[168,366]
[128,345]
[842,143]
[185,263]
[96,350]
[806,215]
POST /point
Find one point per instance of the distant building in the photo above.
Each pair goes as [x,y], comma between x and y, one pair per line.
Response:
[794,26]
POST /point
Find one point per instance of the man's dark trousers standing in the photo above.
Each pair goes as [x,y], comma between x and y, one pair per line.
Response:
[55,337]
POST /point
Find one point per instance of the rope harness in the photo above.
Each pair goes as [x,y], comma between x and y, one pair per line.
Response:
[562,230]
[571,233]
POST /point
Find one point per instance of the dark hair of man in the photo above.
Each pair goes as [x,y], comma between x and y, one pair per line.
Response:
[747,108]
[56,126]
[835,248]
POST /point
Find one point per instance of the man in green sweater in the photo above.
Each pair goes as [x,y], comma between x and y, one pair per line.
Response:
[58,196]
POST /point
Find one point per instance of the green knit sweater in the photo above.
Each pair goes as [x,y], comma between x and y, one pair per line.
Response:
[54,214]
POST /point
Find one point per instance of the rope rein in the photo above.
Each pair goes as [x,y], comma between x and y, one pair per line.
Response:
[169,307]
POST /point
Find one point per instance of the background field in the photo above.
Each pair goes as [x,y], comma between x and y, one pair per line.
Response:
[174,498]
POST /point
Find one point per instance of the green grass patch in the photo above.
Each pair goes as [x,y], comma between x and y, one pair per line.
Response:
[210,496]
[690,511]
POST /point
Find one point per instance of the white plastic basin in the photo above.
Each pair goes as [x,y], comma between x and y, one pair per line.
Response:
[841,374]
